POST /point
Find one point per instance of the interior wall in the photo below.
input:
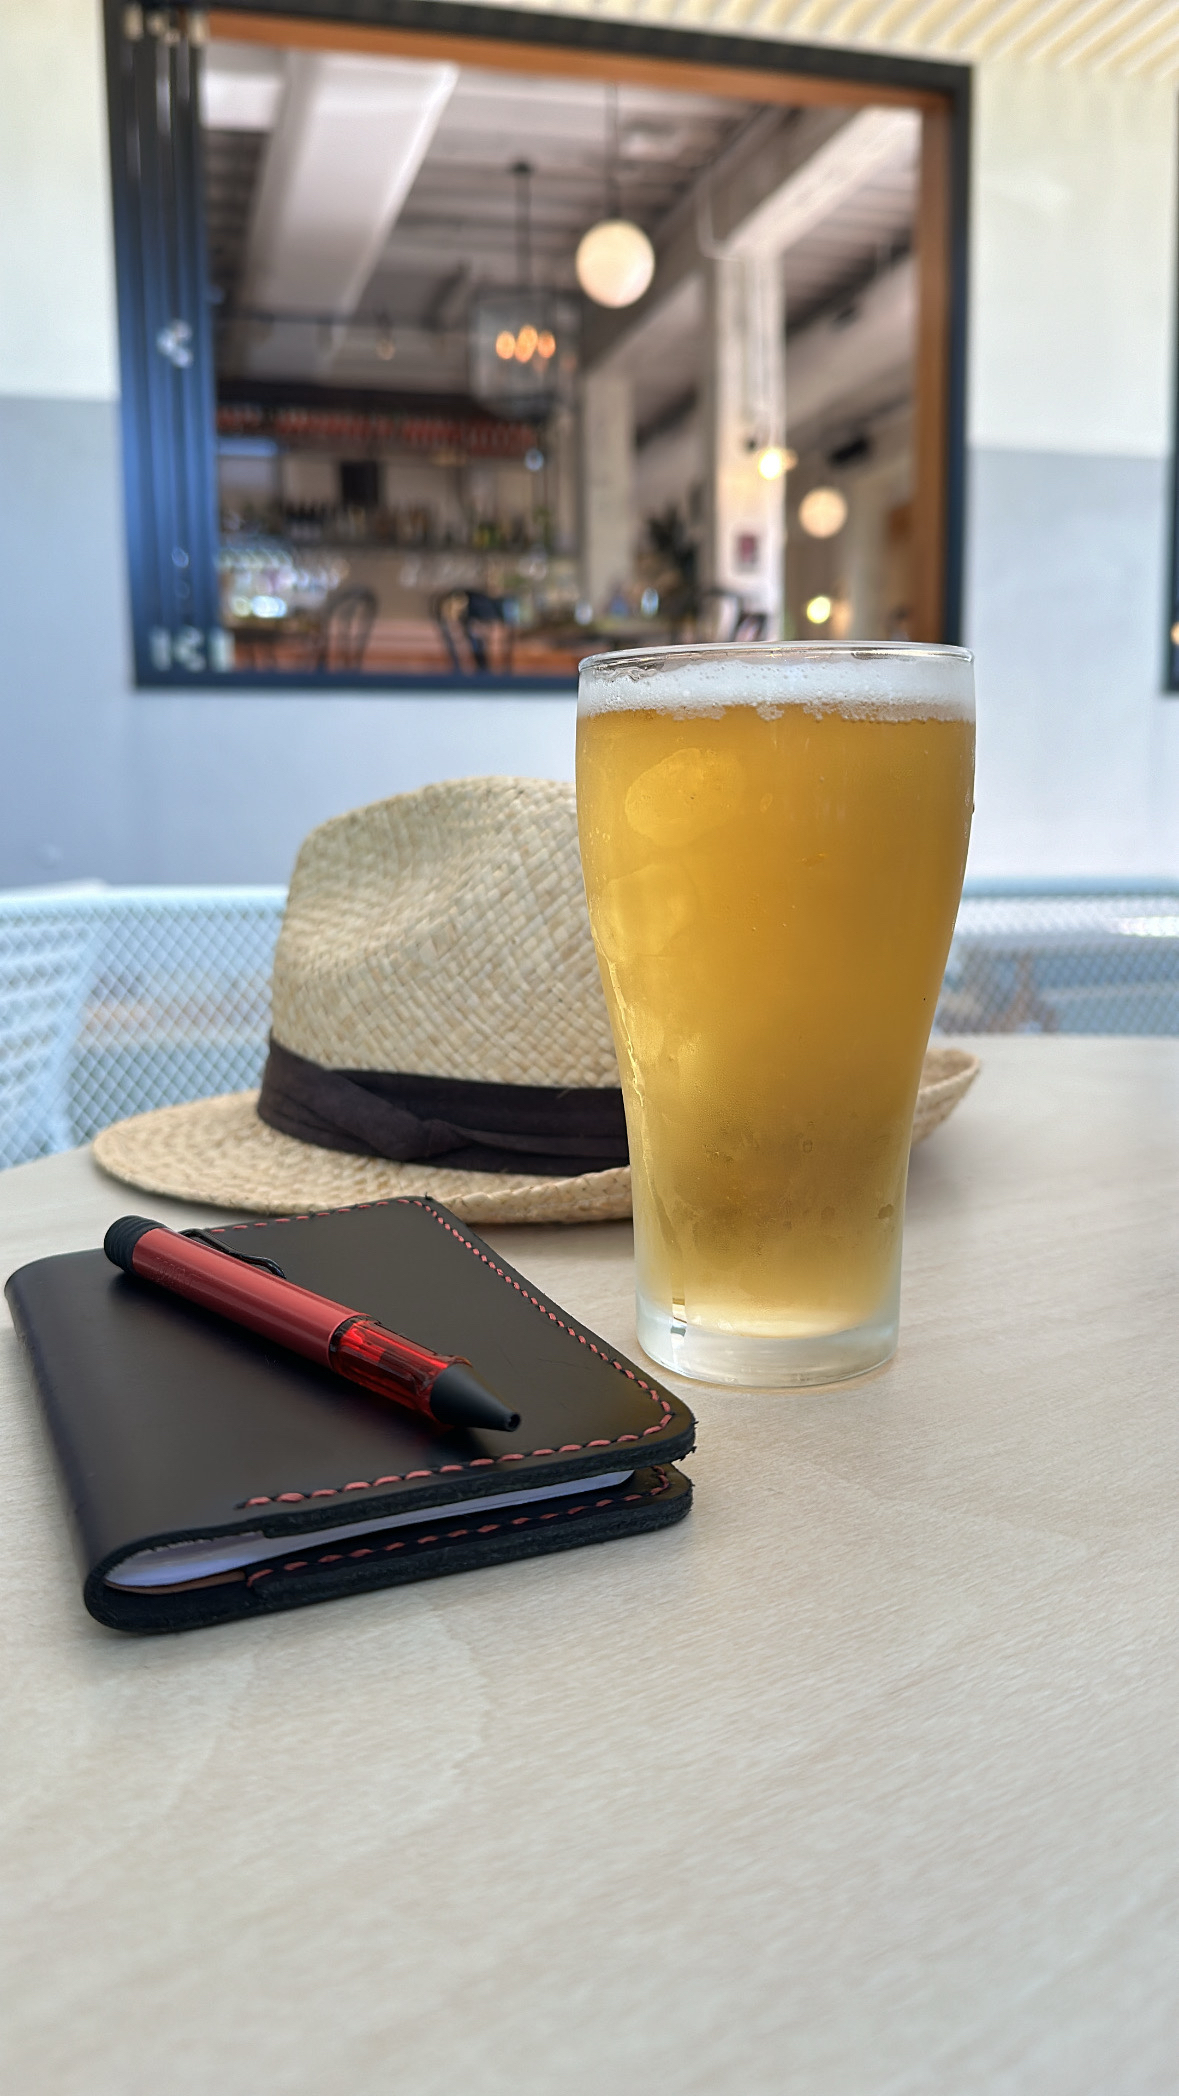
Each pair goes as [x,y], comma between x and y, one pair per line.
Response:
[668,468]
[1070,372]
[1071,389]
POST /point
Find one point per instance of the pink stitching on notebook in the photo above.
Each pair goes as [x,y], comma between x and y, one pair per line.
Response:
[454,1535]
[478,1462]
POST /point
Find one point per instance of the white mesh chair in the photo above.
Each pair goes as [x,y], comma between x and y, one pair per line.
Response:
[126,999]
[1076,958]
[119,1000]
[47,954]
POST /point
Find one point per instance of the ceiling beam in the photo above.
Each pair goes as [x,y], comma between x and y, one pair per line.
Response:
[350,138]
[716,210]
[871,144]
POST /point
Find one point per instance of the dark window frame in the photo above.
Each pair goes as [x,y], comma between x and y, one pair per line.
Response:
[168,415]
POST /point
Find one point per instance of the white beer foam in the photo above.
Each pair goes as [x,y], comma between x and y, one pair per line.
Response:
[871,681]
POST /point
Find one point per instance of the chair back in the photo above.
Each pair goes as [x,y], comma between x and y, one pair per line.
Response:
[718,615]
[124,999]
[48,954]
[466,620]
[347,626]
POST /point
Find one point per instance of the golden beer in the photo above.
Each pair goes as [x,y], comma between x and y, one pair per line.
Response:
[773,876]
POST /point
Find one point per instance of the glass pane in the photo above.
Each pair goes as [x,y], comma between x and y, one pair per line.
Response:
[513,369]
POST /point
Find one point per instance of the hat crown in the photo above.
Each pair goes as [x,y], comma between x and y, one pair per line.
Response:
[444,933]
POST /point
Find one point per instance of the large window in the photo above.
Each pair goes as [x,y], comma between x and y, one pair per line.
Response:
[452,354]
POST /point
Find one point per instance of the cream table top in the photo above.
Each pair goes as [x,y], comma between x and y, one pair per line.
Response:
[861,1782]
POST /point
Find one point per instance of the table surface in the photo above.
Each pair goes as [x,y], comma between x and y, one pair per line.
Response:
[861,1782]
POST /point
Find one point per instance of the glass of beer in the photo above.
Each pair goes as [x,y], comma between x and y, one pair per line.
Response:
[773,838]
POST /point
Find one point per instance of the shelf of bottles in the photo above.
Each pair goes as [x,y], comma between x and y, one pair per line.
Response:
[448,439]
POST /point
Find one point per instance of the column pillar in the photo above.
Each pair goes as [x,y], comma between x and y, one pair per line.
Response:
[562,480]
[743,398]
[608,473]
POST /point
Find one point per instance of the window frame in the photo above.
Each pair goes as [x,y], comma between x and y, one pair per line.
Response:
[170,466]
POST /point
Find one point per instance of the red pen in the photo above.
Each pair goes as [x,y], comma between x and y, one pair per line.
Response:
[256,1294]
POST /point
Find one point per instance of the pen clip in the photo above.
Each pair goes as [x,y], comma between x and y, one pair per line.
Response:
[231,1251]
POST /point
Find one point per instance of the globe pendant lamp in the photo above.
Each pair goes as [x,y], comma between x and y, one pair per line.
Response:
[615,261]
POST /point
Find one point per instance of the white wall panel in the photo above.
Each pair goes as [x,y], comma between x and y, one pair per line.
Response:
[57,304]
[1075,181]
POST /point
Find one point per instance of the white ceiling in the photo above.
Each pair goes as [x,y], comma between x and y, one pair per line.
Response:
[875,221]
[351,138]
[462,209]
[458,224]
[848,209]
[463,205]
[241,87]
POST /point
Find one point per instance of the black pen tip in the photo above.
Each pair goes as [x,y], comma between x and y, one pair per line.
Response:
[458,1398]
[123,1236]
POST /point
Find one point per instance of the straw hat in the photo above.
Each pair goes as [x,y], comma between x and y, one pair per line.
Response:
[438,1027]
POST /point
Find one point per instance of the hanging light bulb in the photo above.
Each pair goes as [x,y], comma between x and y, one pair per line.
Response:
[776,460]
[823,512]
[615,261]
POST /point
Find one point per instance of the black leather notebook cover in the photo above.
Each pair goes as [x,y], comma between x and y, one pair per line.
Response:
[170,1424]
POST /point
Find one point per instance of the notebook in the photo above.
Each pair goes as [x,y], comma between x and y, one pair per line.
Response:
[210,1475]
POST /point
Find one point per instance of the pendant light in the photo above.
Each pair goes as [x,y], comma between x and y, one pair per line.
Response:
[615,260]
[823,512]
[520,337]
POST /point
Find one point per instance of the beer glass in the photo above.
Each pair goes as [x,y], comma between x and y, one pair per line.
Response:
[773,838]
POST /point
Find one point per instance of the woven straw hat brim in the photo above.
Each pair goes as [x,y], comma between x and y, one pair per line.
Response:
[217,1150]
[946,1077]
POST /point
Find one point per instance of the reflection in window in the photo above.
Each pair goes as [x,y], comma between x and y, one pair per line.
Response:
[438,455]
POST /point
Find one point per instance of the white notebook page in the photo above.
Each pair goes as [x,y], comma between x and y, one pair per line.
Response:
[172,1563]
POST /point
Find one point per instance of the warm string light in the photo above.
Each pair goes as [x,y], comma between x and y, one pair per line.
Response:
[529,343]
[775,461]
